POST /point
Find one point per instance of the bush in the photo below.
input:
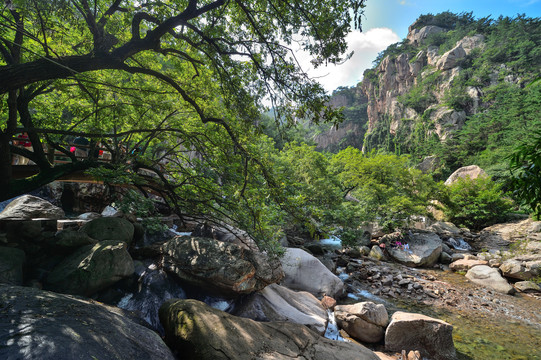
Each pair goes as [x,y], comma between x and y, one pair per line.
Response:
[476,203]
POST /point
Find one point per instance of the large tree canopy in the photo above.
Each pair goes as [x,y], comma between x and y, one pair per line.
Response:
[180,77]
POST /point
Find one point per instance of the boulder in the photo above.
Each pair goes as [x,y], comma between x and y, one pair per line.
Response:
[109,228]
[444,228]
[522,269]
[198,331]
[11,265]
[70,239]
[364,321]
[472,172]
[31,207]
[43,325]
[527,286]
[91,268]
[469,43]
[226,268]
[306,273]
[451,58]
[433,338]
[225,233]
[416,36]
[278,303]
[424,250]
[489,277]
[466,264]
[376,253]
[445,258]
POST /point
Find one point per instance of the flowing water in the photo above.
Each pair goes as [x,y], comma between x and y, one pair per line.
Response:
[481,335]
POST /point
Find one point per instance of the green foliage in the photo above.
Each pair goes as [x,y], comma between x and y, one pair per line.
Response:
[476,203]
[133,202]
[525,163]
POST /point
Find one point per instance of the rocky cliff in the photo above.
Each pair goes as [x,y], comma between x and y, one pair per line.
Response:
[448,69]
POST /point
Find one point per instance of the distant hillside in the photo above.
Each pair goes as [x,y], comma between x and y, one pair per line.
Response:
[457,88]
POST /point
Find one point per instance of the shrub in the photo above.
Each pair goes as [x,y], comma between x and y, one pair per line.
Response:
[476,203]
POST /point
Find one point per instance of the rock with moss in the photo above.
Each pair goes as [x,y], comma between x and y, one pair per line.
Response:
[109,228]
[198,331]
[43,325]
[91,268]
[226,268]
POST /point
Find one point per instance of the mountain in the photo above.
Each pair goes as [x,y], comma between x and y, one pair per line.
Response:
[460,89]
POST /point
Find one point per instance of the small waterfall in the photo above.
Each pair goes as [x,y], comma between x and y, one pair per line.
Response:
[155,287]
[332,331]
[459,244]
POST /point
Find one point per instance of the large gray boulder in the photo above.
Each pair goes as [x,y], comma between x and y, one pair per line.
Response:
[91,268]
[364,321]
[31,207]
[489,277]
[198,331]
[424,250]
[109,228]
[278,303]
[226,268]
[43,325]
[11,265]
[433,338]
[306,273]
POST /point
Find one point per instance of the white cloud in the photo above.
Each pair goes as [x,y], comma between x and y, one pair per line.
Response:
[365,45]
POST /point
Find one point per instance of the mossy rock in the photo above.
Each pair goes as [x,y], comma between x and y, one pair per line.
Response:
[91,268]
[110,228]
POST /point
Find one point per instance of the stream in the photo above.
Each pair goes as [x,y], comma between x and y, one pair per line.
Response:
[511,332]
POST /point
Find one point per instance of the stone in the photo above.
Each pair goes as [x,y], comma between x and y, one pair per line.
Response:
[278,303]
[521,269]
[417,36]
[451,58]
[198,331]
[328,303]
[31,207]
[472,172]
[469,43]
[376,253]
[71,239]
[225,233]
[109,228]
[445,258]
[364,321]
[11,265]
[226,268]
[444,228]
[527,286]
[433,338]
[43,325]
[91,268]
[424,250]
[89,216]
[489,277]
[447,120]
[466,264]
[306,273]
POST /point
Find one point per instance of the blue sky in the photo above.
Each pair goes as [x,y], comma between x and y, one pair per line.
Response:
[386,22]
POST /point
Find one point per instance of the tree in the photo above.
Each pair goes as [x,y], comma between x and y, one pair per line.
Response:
[182,77]
[525,163]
